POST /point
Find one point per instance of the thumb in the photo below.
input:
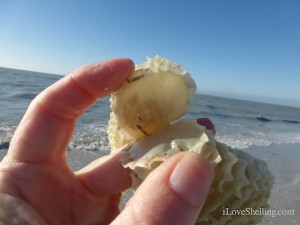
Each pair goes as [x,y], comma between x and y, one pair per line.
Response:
[174,193]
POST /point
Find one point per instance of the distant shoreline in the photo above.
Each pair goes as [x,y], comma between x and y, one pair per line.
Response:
[31,71]
[293,103]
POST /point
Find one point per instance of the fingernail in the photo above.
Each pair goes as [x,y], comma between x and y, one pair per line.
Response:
[191,178]
[207,123]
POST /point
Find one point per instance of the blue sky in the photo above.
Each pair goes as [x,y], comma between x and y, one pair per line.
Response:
[245,49]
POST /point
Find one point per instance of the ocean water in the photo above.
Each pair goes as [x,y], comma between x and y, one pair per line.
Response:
[240,124]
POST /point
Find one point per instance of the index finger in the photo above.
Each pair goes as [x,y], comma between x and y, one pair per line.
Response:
[45,130]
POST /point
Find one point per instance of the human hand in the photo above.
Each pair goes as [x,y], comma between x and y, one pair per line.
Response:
[37,187]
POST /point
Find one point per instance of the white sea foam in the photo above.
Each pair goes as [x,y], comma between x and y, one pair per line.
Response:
[90,138]
[240,141]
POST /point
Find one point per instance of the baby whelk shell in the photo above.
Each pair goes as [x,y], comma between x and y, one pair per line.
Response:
[158,92]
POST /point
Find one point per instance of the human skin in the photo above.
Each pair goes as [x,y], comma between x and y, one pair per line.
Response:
[37,186]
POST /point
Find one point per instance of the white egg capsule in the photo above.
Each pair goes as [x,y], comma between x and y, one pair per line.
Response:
[142,124]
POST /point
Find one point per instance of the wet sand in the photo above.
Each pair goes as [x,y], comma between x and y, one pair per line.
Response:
[284,162]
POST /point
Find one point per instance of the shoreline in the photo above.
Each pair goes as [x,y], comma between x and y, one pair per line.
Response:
[283,161]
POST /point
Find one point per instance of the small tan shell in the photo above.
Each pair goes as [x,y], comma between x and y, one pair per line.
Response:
[241,181]
[157,93]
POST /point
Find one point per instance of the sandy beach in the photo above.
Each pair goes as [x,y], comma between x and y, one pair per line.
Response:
[283,161]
